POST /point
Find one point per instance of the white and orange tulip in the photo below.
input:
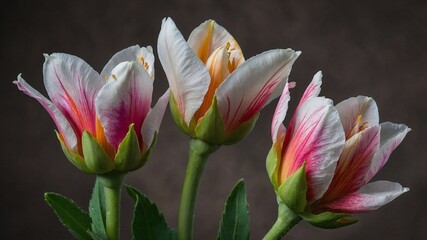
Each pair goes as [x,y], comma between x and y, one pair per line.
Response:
[104,121]
[215,94]
[329,154]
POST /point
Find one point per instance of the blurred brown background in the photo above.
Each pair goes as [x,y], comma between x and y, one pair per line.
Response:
[375,48]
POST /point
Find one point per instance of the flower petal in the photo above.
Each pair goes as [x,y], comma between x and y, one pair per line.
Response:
[370,197]
[64,127]
[354,163]
[248,88]
[153,120]
[391,136]
[72,86]
[125,99]
[209,36]
[187,75]
[316,138]
[277,128]
[356,112]
[313,89]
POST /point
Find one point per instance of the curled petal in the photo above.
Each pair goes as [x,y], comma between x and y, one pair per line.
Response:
[72,86]
[125,99]
[209,36]
[153,120]
[187,76]
[249,87]
[391,136]
[277,128]
[370,197]
[316,138]
[354,163]
[61,122]
[357,113]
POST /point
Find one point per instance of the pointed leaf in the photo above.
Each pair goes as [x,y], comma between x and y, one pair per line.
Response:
[129,153]
[235,219]
[148,223]
[97,160]
[293,191]
[72,217]
[97,210]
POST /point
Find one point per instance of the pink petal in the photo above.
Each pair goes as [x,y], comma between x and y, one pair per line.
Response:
[61,122]
[354,163]
[154,118]
[187,76]
[391,136]
[370,197]
[277,128]
[72,86]
[316,138]
[248,88]
[313,89]
[352,108]
[125,99]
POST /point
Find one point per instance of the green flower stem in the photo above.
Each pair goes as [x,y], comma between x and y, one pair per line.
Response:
[199,153]
[286,219]
[112,183]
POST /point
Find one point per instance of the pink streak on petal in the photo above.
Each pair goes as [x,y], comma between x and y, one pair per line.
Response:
[277,127]
[61,122]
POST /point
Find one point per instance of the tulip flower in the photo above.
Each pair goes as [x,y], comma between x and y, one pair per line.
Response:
[104,121]
[321,165]
[215,94]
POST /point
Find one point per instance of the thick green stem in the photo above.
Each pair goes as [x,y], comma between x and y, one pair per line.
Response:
[112,189]
[286,219]
[199,152]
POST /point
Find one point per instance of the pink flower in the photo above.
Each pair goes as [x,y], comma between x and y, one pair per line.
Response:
[95,113]
[215,94]
[340,148]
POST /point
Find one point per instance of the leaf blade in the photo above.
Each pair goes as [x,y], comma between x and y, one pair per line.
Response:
[71,216]
[97,210]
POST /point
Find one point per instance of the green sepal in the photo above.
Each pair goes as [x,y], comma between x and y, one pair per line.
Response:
[329,220]
[148,223]
[272,165]
[179,119]
[71,216]
[74,158]
[211,127]
[235,219]
[97,160]
[146,155]
[293,192]
[97,211]
[128,153]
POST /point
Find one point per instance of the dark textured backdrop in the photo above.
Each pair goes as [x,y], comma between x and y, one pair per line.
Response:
[375,48]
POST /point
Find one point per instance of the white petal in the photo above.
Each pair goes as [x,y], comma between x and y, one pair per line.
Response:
[72,86]
[370,197]
[126,55]
[277,128]
[391,136]
[153,120]
[209,36]
[61,122]
[125,99]
[352,108]
[248,88]
[313,89]
[187,75]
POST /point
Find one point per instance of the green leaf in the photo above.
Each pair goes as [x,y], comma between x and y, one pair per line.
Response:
[329,220]
[272,163]
[235,219]
[97,211]
[148,223]
[128,154]
[293,192]
[97,160]
[74,158]
[72,217]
